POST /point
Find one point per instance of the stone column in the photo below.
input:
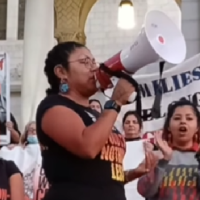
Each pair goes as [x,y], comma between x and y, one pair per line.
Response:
[38,40]
[12,19]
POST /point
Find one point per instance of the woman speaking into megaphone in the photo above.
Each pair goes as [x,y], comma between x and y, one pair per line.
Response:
[82,155]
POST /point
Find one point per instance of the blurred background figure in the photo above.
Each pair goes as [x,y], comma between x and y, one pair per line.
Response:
[95,105]
[11,125]
[132,125]
[11,181]
[29,136]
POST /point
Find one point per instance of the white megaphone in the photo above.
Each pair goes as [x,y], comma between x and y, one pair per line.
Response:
[160,38]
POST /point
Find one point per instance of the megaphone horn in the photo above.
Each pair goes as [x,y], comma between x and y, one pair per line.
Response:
[159,38]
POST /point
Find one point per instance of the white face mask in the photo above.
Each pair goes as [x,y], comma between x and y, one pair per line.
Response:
[32,139]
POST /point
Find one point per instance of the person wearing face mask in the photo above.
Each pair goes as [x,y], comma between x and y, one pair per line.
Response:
[29,137]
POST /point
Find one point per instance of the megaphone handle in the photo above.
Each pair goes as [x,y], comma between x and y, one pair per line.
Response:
[103,80]
[120,74]
[156,105]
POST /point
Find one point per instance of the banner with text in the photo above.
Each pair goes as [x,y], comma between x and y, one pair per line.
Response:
[179,82]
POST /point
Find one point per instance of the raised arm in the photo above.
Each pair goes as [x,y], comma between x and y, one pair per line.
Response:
[66,128]
[147,165]
[149,184]
[15,181]
[72,134]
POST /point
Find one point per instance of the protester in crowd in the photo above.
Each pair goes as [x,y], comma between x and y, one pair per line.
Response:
[29,136]
[11,181]
[132,124]
[95,105]
[76,143]
[12,127]
[176,176]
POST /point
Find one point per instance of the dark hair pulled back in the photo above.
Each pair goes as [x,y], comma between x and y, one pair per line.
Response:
[59,55]
[134,113]
[171,109]
[97,101]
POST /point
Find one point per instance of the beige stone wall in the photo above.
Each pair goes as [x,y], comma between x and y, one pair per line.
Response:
[104,38]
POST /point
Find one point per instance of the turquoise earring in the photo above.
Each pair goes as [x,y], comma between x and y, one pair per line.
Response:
[64,88]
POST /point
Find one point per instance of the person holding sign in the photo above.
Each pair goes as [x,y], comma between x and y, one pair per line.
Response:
[177,175]
[82,154]
[132,125]
[12,127]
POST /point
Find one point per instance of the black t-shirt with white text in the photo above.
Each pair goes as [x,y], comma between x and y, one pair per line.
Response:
[7,169]
[72,177]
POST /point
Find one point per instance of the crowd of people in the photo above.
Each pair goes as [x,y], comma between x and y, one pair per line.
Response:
[11,181]
[82,151]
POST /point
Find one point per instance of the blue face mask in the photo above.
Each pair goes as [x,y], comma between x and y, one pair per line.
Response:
[32,139]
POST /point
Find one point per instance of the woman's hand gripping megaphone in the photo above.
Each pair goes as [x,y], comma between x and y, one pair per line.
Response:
[126,90]
[123,92]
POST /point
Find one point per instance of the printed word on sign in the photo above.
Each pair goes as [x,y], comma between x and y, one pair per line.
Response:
[42,186]
[114,151]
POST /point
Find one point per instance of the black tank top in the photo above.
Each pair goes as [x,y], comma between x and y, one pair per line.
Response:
[72,177]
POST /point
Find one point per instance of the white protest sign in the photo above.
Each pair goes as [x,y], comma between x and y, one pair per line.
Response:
[133,157]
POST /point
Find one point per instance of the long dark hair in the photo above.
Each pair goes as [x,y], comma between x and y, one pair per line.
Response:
[171,109]
[59,55]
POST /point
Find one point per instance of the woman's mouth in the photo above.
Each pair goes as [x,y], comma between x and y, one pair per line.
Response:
[182,129]
[131,129]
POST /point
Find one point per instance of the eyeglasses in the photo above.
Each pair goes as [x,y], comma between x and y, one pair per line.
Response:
[88,62]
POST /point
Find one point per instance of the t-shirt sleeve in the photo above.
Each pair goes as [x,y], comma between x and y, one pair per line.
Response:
[45,104]
[11,168]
